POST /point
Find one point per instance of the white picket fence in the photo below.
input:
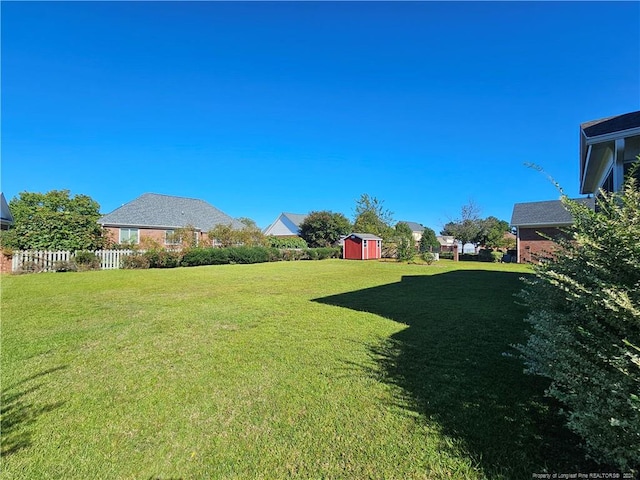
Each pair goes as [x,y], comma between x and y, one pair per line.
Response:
[45,261]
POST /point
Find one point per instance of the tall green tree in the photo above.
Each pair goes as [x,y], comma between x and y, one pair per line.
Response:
[372,217]
[324,228]
[493,232]
[54,221]
[405,243]
[585,326]
[468,228]
[428,241]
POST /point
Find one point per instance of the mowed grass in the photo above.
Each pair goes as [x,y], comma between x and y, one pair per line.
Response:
[326,369]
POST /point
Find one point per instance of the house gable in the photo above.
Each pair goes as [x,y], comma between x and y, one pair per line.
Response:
[286,225]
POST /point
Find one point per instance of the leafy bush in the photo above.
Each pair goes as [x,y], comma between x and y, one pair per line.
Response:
[328,252]
[488,255]
[248,254]
[286,242]
[163,258]
[205,256]
[446,255]
[428,257]
[65,266]
[86,261]
[585,319]
[135,261]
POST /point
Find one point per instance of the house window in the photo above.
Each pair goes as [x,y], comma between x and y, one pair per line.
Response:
[172,238]
[607,185]
[129,235]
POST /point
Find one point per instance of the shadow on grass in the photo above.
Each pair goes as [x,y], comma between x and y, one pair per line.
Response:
[450,366]
[17,413]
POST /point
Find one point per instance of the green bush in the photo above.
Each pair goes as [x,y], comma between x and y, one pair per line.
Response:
[428,257]
[134,261]
[286,242]
[205,256]
[65,266]
[159,258]
[248,254]
[488,255]
[86,261]
[585,321]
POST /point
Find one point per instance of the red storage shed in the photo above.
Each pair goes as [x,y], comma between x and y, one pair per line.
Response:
[362,246]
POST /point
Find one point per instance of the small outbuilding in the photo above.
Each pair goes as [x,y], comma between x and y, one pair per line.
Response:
[362,246]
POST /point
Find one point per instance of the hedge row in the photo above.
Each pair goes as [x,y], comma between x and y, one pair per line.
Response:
[222,256]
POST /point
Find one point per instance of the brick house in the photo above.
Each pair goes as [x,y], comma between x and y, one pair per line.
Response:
[537,223]
[156,217]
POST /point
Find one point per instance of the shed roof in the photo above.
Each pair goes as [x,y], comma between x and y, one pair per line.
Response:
[365,236]
[547,213]
[166,211]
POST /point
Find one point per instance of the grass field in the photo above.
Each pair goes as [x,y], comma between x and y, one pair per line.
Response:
[327,369]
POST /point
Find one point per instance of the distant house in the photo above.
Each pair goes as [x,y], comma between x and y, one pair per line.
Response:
[538,222]
[608,147]
[446,242]
[156,217]
[416,229]
[6,218]
[362,246]
[286,225]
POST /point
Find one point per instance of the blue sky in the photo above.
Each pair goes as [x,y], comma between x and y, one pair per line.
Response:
[261,108]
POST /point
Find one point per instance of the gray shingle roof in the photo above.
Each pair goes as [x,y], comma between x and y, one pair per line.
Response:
[165,211]
[365,236]
[548,213]
[414,226]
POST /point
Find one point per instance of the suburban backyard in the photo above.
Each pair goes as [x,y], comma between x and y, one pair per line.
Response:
[310,369]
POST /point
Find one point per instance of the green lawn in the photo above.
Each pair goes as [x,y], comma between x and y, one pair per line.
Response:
[326,369]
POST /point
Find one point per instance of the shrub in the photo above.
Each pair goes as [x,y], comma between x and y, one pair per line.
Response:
[65,266]
[488,255]
[205,256]
[428,257]
[135,261]
[284,242]
[163,258]
[248,254]
[86,261]
[585,319]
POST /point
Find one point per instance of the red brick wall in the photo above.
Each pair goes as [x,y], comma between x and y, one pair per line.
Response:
[151,235]
[532,245]
[5,263]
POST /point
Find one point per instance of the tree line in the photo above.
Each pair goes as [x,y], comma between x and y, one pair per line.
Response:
[56,220]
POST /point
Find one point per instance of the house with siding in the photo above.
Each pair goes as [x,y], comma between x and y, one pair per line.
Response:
[286,225]
[156,217]
[608,148]
[537,224]
[417,229]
